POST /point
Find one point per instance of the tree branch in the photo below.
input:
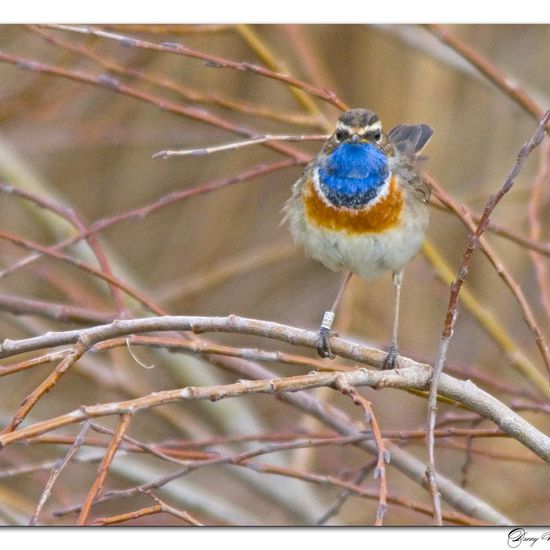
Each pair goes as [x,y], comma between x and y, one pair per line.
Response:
[410,375]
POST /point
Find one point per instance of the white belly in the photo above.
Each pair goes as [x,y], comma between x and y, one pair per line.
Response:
[367,255]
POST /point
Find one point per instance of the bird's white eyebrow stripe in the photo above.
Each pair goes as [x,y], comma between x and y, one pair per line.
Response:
[375,126]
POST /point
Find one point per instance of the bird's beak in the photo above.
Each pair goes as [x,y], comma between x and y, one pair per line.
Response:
[355,138]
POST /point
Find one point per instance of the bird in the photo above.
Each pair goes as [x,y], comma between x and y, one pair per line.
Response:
[361,207]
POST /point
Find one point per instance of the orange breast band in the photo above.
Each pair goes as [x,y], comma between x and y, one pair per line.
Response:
[382,215]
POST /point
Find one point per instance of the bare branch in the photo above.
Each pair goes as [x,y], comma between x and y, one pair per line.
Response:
[236,145]
[50,310]
[56,471]
[97,486]
[160,203]
[383,453]
[488,69]
[452,308]
[412,375]
[210,60]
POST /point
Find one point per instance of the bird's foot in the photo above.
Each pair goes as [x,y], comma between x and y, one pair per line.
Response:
[390,362]
[323,339]
[323,343]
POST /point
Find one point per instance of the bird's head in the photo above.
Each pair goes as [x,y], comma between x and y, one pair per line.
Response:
[359,126]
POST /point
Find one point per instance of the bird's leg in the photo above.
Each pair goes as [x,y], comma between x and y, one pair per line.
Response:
[323,340]
[390,362]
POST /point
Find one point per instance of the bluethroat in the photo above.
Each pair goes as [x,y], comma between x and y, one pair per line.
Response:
[361,207]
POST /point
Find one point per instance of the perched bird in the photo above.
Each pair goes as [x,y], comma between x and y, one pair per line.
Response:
[361,206]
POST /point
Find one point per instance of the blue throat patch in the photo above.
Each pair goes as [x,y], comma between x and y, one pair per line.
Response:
[352,174]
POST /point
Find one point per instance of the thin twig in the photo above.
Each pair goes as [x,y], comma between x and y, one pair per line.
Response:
[180,514]
[56,471]
[35,361]
[540,247]
[148,28]
[71,216]
[383,454]
[53,251]
[207,348]
[452,308]
[160,203]
[346,493]
[47,385]
[115,85]
[128,516]
[467,464]
[488,69]
[180,448]
[360,491]
[210,60]
[139,445]
[176,86]
[491,325]
[97,485]
[502,272]
[538,190]
[201,151]
[244,459]
[51,310]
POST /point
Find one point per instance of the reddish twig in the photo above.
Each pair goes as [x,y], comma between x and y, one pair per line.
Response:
[501,270]
[521,405]
[180,448]
[71,216]
[47,385]
[34,362]
[162,202]
[210,60]
[207,348]
[180,514]
[452,307]
[163,28]
[534,245]
[489,70]
[361,492]
[139,445]
[244,459]
[51,310]
[383,454]
[175,86]
[128,516]
[97,485]
[113,84]
[166,452]
[53,252]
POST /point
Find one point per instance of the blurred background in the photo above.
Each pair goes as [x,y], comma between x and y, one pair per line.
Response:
[90,148]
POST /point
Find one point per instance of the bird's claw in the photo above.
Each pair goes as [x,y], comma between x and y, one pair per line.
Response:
[390,362]
[323,343]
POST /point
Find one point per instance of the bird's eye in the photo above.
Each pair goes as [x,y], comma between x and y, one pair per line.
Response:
[340,136]
[377,137]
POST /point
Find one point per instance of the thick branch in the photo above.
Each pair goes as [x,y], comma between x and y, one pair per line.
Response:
[411,375]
